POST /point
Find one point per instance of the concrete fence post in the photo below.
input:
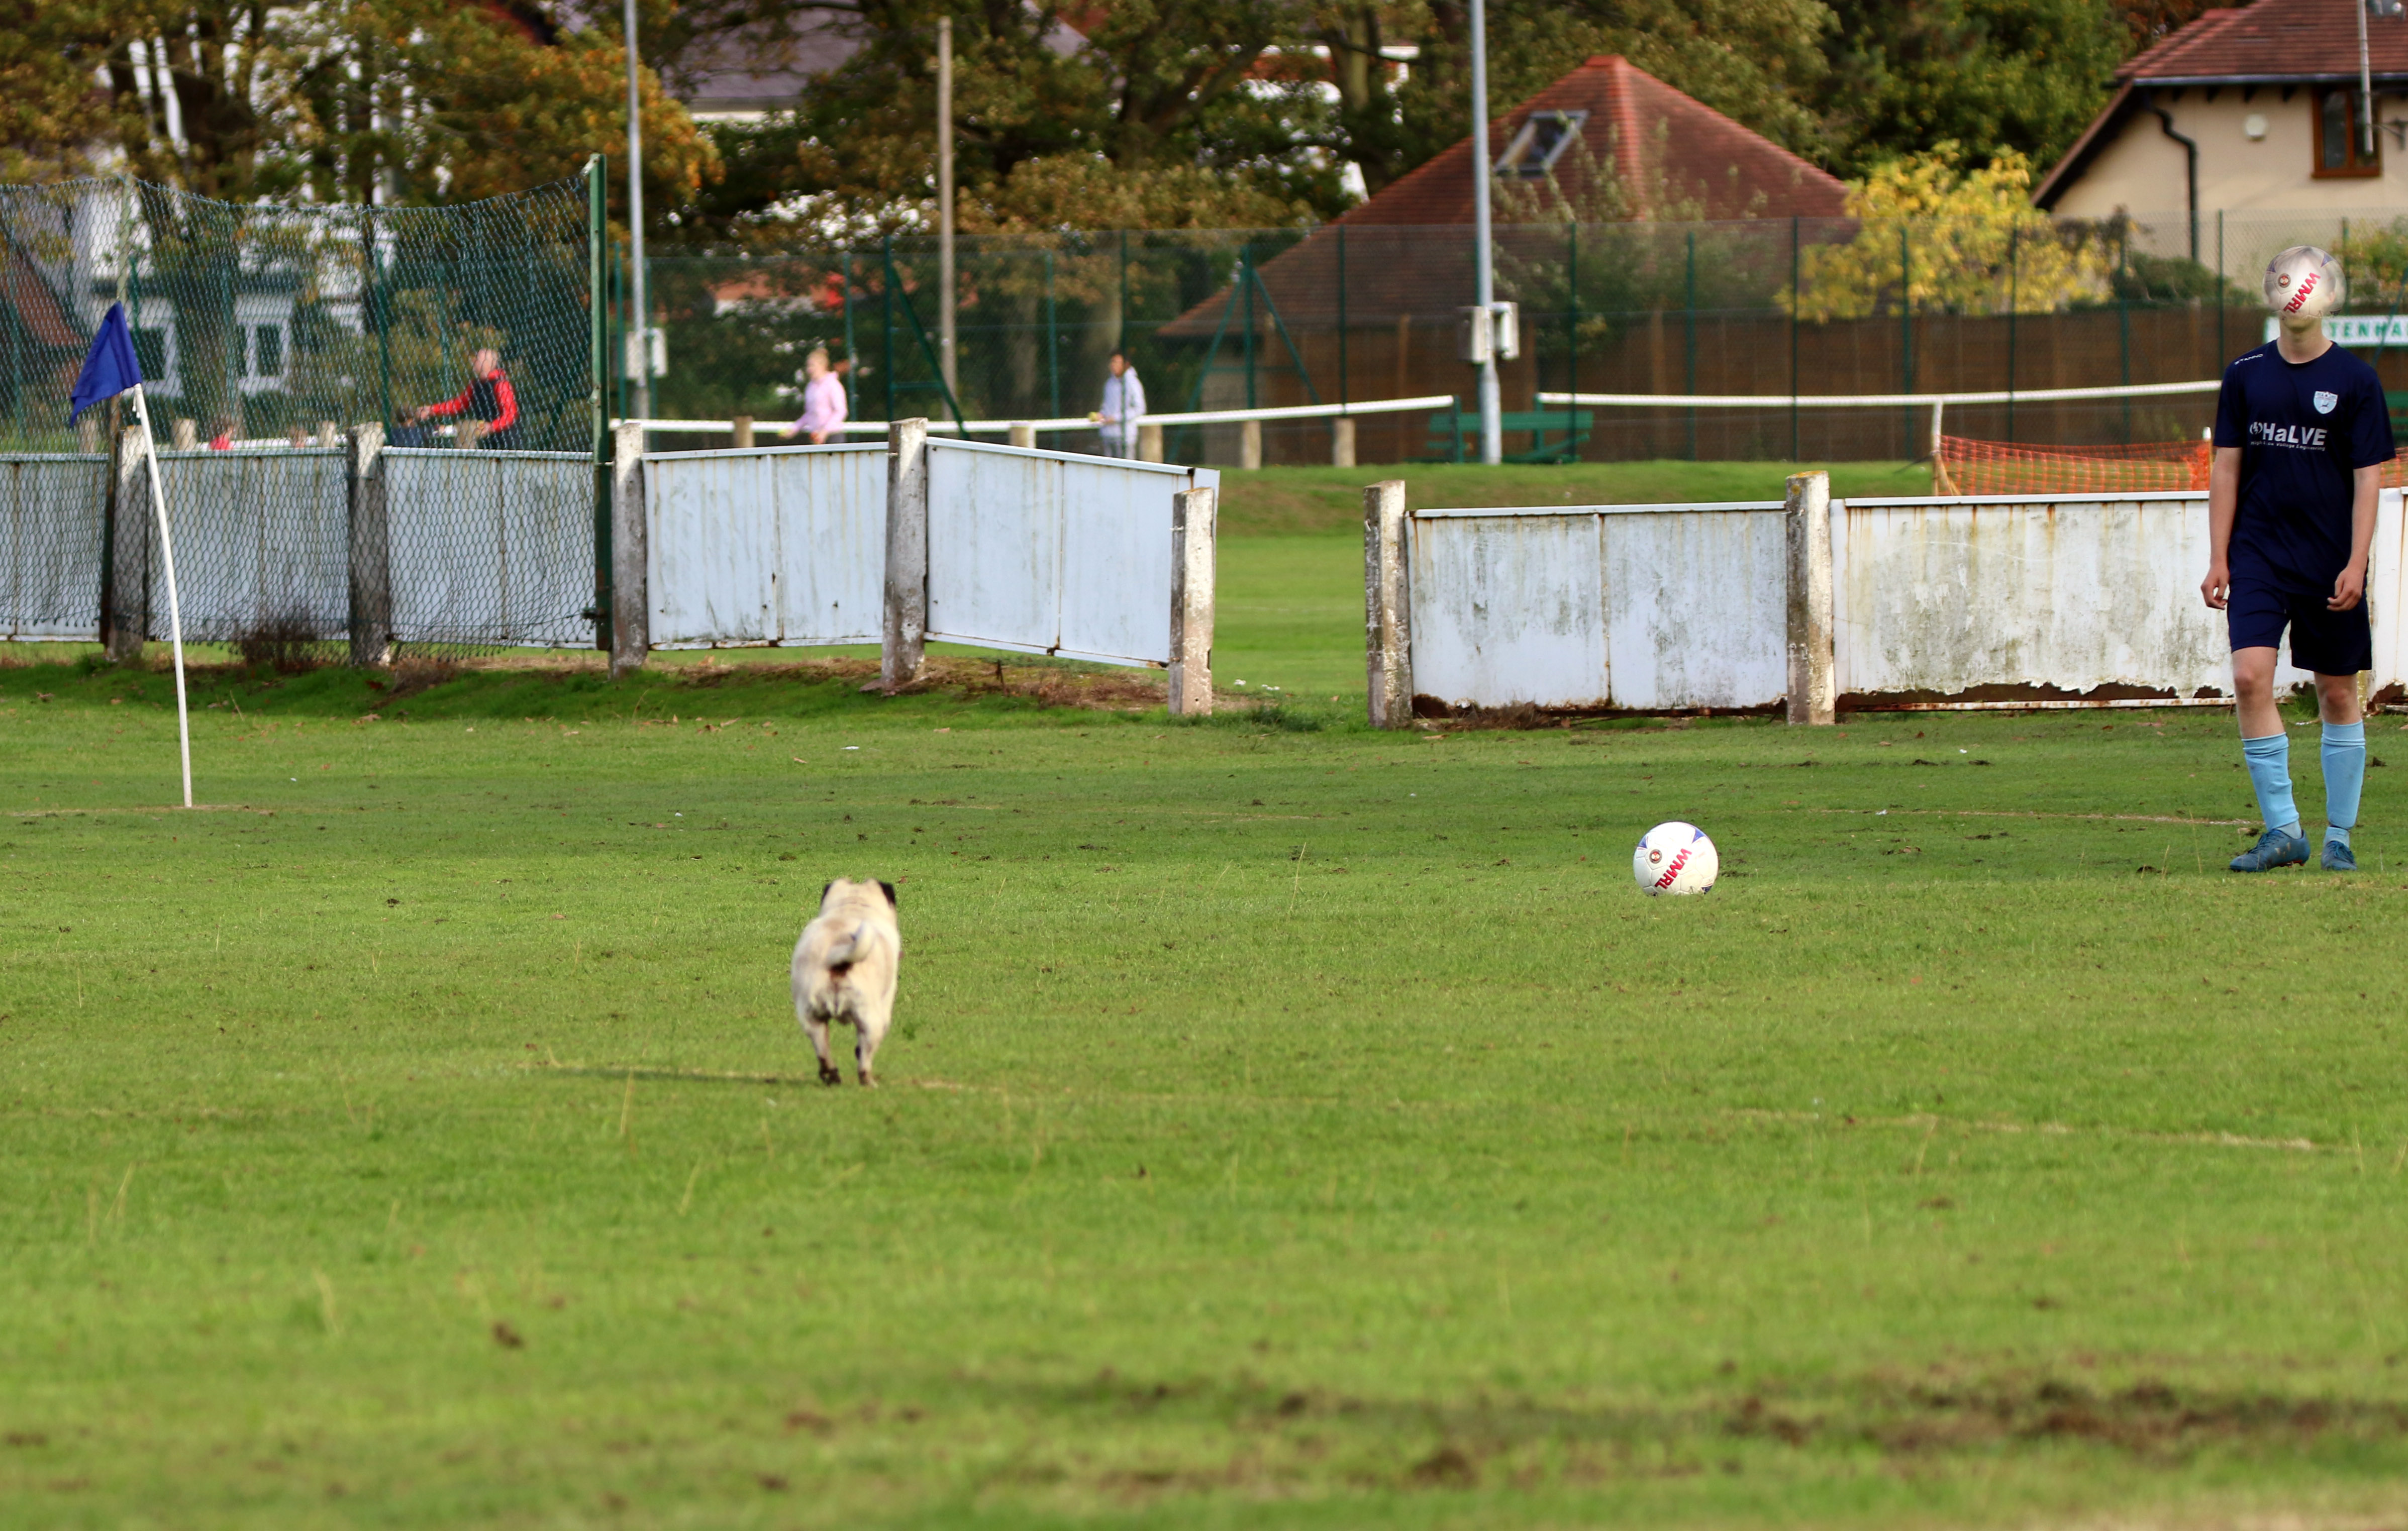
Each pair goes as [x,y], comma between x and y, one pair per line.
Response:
[1195,525]
[902,647]
[1812,696]
[1387,619]
[125,620]
[1341,442]
[631,595]
[371,548]
[1149,442]
[1023,433]
[740,431]
[1250,443]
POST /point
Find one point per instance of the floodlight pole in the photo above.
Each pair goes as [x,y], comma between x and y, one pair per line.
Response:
[945,322]
[1491,438]
[638,359]
[2365,88]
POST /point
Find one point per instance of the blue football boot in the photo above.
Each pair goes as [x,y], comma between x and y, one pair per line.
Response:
[2337,857]
[2273,848]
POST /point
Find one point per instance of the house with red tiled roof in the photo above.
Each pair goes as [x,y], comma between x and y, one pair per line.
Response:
[2253,107]
[1608,140]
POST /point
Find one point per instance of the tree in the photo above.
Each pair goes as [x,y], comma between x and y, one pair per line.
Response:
[1939,238]
[51,116]
[1992,76]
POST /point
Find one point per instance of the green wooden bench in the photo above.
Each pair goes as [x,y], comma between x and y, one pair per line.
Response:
[1555,435]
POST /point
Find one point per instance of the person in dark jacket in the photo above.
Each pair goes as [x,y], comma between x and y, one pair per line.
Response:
[489,399]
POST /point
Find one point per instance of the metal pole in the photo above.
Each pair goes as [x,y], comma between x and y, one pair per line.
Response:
[887,306]
[2365,92]
[1246,284]
[1906,326]
[1571,349]
[1492,437]
[640,390]
[945,322]
[1053,343]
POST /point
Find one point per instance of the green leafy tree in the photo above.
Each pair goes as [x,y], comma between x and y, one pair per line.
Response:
[1943,238]
[1993,75]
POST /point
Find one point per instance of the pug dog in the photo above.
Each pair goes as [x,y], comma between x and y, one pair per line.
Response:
[845,968]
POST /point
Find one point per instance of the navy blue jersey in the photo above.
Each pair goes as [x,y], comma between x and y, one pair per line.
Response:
[2302,428]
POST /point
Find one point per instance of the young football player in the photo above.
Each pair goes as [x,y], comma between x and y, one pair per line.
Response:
[2302,436]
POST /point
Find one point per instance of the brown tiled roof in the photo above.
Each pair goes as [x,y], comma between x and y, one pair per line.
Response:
[1672,155]
[1665,145]
[2273,40]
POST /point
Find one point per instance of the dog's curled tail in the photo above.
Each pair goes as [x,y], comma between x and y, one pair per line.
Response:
[846,950]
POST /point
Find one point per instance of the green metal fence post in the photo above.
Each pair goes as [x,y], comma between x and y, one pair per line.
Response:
[1906,331]
[2015,257]
[1572,348]
[886,305]
[1342,395]
[1052,339]
[2124,327]
[851,354]
[1120,341]
[1794,297]
[2221,355]
[598,338]
[1246,284]
[1689,336]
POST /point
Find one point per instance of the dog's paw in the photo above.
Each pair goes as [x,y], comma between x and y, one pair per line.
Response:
[831,1076]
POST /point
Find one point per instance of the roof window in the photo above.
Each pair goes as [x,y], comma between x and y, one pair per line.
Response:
[1539,142]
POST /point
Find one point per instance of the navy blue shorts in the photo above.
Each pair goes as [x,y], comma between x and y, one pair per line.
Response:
[2323,641]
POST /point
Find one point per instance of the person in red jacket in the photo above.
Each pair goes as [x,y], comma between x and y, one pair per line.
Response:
[489,398]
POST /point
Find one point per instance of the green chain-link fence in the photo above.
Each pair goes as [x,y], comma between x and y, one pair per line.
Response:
[1220,320]
[266,334]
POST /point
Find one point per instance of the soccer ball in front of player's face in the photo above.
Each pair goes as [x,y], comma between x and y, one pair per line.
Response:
[2304,282]
[1675,858]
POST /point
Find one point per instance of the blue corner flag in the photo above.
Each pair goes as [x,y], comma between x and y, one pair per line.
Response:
[110,367]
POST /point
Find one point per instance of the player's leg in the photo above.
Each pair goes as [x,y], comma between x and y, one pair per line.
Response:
[2336,646]
[2266,750]
[2255,614]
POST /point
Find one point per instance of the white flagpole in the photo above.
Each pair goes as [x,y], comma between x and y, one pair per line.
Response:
[175,612]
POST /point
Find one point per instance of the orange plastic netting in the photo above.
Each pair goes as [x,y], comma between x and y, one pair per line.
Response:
[1967,466]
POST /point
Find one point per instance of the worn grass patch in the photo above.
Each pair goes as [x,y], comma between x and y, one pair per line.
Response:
[1286,1125]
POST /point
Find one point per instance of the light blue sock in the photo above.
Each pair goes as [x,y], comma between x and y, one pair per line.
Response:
[2270,772]
[2345,756]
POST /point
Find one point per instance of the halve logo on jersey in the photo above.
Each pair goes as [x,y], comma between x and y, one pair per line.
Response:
[2326,401]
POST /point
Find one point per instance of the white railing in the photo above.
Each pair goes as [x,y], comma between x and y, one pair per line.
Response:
[1081,422]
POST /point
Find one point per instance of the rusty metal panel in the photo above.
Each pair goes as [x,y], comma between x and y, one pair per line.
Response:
[781,545]
[487,547]
[1651,607]
[1508,609]
[50,513]
[1052,553]
[1950,595]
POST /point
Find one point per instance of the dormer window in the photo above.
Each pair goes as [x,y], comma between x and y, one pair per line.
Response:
[1536,146]
[2341,148]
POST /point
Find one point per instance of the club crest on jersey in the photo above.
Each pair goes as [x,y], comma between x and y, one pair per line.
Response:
[2325,401]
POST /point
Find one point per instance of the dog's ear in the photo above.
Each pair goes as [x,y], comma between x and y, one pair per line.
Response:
[890,895]
[823,888]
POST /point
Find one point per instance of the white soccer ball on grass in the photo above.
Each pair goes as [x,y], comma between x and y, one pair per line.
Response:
[1675,858]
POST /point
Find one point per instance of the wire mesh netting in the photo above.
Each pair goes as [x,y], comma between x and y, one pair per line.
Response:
[266,334]
[1220,320]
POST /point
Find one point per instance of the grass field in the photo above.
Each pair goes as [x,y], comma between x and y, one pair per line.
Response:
[1286,1125]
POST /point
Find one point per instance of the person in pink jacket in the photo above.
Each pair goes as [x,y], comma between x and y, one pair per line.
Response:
[823,412]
